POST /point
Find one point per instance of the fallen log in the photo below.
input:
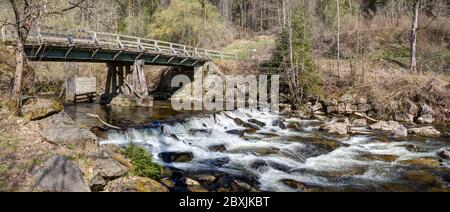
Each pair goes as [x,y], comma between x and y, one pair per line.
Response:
[103,122]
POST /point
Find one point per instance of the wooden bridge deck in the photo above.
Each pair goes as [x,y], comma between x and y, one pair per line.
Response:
[88,46]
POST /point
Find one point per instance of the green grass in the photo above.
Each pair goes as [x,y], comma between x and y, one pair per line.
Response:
[246,49]
[142,161]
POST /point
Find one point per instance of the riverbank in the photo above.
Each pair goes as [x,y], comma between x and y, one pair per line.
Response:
[227,151]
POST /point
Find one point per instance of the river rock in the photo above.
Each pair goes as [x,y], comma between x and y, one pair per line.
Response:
[242,123]
[200,131]
[280,124]
[359,123]
[176,157]
[426,110]
[385,126]
[444,154]
[135,184]
[401,132]
[425,131]
[71,136]
[345,108]
[37,109]
[332,110]
[347,98]
[294,126]
[425,119]
[239,133]
[259,123]
[336,128]
[218,148]
[330,102]
[59,174]
[206,178]
[108,166]
[404,117]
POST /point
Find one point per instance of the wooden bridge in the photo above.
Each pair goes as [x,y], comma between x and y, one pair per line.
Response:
[124,55]
[48,44]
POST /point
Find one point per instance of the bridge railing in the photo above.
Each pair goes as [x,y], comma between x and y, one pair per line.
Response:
[47,35]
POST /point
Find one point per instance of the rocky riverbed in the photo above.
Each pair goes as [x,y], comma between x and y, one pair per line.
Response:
[243,151]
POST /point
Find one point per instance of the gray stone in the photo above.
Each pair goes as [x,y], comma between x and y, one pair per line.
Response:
[347,98]
[59,174]
[106,164]
[71,136]
[360,123]
[403,117]
[336,128]
[401,132]
[425,131]
[425,119]
[239,133]
[426,110]
[385,126]
[37,109]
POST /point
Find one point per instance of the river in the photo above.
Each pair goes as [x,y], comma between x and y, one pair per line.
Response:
[276,159]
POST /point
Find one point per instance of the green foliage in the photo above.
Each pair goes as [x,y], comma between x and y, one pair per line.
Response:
[248,48]
[142,161]
[191,22]
[308,78]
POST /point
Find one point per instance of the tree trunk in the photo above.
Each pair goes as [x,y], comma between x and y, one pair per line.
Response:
[415,22]
[338,39]
[15,102]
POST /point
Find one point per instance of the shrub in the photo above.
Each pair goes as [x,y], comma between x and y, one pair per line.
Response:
[143,165]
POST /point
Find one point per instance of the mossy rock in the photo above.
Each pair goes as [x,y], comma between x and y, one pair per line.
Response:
[37,109]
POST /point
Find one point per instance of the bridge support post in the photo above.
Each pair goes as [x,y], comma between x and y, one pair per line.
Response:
[127,80]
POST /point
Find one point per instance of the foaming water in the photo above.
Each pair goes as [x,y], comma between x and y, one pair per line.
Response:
[274,155]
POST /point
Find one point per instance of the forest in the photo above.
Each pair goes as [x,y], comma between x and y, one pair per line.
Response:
[363,83]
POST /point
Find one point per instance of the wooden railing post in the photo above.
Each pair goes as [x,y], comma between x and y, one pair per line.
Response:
[3,34]
[94,37]
[40,38]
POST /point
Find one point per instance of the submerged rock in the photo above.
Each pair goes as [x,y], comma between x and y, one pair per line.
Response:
[242,123]
[218,148]
[176,157]
[239,133]
[59,174]
[135,184]
[37,109]
[259,123]
[425,131]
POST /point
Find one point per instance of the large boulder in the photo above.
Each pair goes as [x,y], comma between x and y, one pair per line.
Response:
[109,165]
[71,136]
[59,174]
[61,130]
[425,131]
[37,109]
[385,126]
[135,184]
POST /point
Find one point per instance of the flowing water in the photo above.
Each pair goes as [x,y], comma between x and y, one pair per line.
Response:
[276,159]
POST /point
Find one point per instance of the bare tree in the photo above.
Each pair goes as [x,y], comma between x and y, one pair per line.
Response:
[338,38]
[415,22]
[26,14]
